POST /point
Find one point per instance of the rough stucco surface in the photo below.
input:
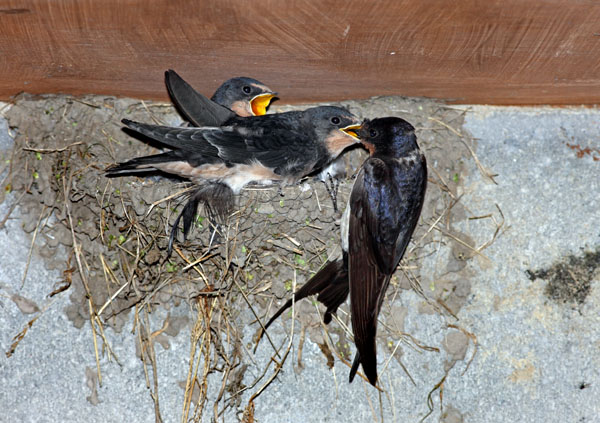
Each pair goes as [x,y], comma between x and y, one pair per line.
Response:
[535,354]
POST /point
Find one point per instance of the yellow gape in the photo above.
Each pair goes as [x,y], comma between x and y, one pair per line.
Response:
[260,103]
[351,130]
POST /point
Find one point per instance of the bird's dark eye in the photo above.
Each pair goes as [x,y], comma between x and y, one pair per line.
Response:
[372,133]
[335,120]
[247,89]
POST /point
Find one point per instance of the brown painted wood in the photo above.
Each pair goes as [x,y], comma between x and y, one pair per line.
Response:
[468,51]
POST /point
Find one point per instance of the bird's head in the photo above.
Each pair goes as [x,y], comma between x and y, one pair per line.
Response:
[391,135]
[244,96]
[336,126]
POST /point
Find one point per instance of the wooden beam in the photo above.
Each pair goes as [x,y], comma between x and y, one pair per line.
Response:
[466,51]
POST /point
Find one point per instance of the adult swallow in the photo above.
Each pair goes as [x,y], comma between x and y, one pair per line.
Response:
[280,148]
[382,213]
[239,96]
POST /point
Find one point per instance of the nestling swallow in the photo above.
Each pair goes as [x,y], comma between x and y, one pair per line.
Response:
[239,96]
[382,213]
[279,148]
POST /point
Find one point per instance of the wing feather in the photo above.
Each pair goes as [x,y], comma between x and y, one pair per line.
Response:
[279,142]
[195,107]
[385,205]
[367,281]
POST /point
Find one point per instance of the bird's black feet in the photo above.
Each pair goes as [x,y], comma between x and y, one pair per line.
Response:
[331,185]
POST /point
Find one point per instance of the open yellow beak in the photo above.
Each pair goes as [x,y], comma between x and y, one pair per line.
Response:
[351,130]
[260,103]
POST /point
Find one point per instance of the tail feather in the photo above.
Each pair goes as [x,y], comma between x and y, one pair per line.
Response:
[369,367]
[331,283]
[334,295]
[141,164]
[216,198]
[193,106]
[364,327]
[354,368]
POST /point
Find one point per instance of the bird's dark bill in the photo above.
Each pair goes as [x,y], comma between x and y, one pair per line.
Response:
[351,130]
[260,103]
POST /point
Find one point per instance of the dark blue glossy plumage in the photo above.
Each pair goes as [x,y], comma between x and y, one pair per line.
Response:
[385,205]
[382,213]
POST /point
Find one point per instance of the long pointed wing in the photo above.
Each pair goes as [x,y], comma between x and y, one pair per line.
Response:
[195,107]
[276,141]
[365,252]
[385,205]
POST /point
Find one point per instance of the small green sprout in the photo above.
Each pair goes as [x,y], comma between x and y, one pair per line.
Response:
[299,260]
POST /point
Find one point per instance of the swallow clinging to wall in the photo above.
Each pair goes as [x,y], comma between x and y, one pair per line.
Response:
[380,218]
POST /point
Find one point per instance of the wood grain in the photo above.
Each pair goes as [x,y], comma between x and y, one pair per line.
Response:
[466,51]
